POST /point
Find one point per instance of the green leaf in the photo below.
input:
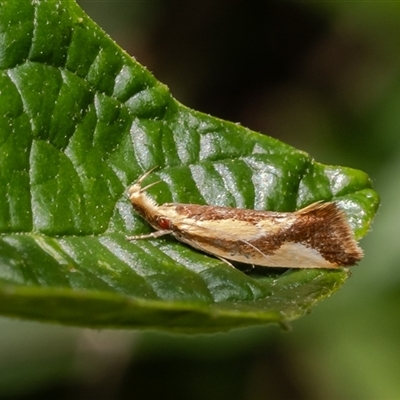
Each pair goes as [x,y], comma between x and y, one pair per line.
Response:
[80,120]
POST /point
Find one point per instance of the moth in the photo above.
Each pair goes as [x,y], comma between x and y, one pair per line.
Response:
[316,236]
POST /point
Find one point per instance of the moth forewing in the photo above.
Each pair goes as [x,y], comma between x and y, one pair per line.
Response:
[317,236]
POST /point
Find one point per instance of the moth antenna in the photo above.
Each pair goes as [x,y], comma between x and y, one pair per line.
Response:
[136,188]
[143,189]
[145,175]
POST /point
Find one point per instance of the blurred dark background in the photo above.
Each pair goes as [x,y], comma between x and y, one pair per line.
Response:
[321,76]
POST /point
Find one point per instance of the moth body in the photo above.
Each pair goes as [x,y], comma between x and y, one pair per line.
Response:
[317,236]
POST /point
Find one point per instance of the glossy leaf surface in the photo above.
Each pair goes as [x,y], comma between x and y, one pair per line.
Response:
[80,120]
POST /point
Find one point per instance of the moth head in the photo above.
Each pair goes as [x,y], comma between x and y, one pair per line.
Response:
[141,202]
[134,191]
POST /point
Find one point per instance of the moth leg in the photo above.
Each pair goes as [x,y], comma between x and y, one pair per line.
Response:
[250,267]
[152,235]
[224,260]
